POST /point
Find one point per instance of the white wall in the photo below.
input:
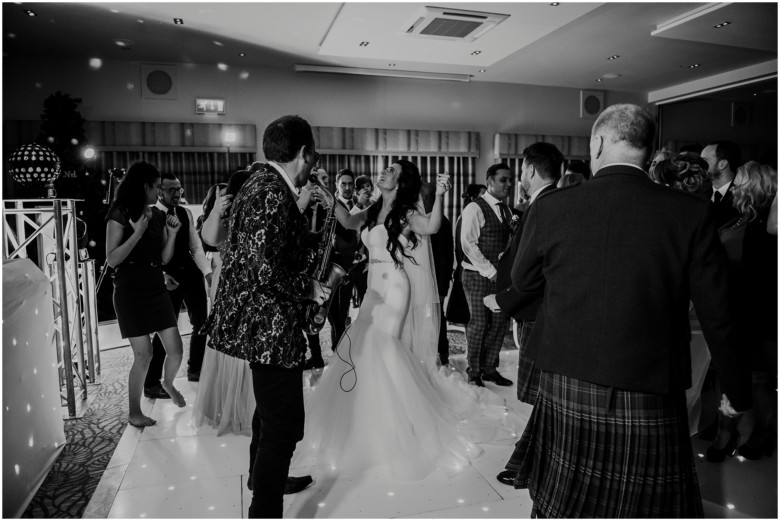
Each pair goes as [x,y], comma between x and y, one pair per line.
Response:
[113,93]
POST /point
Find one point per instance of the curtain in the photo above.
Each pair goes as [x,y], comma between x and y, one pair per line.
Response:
[197,171]
[460,168]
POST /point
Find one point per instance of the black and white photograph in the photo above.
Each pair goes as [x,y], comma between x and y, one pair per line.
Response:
[371,260]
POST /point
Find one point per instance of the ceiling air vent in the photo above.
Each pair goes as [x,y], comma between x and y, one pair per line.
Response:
[452,24]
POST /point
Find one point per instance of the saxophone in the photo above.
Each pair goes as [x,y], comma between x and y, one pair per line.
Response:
[326,273]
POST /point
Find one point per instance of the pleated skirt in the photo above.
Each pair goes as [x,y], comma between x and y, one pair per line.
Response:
[595,451]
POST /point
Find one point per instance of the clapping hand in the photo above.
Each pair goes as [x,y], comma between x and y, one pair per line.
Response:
[443,183]
[170,283]
[172,223]
[726,408]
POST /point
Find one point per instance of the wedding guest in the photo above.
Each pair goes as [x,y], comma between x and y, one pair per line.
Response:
[457,306]
[538,175]
[752,255]
[184,278]
[262,299]
[443,257]
[723,158]
[484,235]
[139,240]
[570,178]
[611,411]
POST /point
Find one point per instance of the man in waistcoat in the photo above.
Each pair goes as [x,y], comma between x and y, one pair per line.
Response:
[184,279]
[485,231]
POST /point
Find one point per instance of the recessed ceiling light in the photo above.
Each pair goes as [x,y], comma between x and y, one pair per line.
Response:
[242,54]
[722,24]
[11,35]
[364,44]
[222,66]
[613,57]
[693,66]
[178,21]
[391,64]
[114,10]
[555,4]
[610,75]
[125,44]
[140,21]
[482,70]
[218,43]
[755,94]
[599,80]
[29,13]
[475,53]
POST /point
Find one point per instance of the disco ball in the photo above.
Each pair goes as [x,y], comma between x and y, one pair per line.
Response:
[34,165]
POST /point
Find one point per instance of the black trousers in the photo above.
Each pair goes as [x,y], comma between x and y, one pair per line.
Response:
[192,292]
[277,426]
[444,344]
[337,316]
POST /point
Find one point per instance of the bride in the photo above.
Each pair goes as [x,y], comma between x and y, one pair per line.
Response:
[382,400]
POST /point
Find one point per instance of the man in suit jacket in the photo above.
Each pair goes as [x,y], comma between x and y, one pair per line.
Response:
[617,261]
[262,298]
[723,158]
[539,173]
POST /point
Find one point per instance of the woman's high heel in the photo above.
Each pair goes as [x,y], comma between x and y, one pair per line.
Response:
[716,455]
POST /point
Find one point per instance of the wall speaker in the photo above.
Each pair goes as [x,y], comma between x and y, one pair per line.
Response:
[740,114]
[158,81]
[591,103]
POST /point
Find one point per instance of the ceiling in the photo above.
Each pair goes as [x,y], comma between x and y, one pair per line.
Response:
[565,45]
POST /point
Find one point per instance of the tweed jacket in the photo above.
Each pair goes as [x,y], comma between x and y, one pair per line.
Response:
[618,260]
[261,301]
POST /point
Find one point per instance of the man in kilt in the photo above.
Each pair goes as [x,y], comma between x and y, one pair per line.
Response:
[617,261]
[539,174]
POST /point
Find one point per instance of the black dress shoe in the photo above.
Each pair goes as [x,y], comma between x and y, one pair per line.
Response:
[295,485]
[496,379]
[716,455]
[476,380]
[507,477]
[312,363]
[157,393]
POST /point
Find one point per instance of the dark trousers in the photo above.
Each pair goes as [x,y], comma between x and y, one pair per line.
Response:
[337,316]
[485,330]
[192,292]
[444,344]
[277,426]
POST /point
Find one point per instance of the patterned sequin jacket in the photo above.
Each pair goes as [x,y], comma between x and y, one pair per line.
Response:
[260,302]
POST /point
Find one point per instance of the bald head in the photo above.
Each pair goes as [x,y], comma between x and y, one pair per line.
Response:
[623,133]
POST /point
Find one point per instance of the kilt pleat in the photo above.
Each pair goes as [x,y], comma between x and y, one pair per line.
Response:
[595,451]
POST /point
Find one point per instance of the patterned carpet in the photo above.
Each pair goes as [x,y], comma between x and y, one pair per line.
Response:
[91,440]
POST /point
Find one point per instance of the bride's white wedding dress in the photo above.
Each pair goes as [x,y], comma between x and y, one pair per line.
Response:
[382,401]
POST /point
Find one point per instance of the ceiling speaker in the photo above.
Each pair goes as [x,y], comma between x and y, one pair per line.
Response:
[158,81]
[591,103]
[740,114]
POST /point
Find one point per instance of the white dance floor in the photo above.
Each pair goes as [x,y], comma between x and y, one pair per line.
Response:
[172,471]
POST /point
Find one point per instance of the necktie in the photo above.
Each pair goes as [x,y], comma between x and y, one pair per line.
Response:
[718,197]
[172,211]
[505,213]
[350,205]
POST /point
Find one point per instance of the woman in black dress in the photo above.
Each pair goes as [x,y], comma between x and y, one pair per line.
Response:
[139,240]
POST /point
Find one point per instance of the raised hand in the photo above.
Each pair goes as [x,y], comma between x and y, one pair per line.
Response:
[139,226]
[173,224]
[222,203]
[443,183]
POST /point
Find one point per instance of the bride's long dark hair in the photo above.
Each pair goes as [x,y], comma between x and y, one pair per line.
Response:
[406,198]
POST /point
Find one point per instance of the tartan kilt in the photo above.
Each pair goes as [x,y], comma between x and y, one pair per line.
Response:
[595,451]
[527,373]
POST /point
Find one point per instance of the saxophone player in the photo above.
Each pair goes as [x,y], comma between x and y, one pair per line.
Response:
[262,299]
